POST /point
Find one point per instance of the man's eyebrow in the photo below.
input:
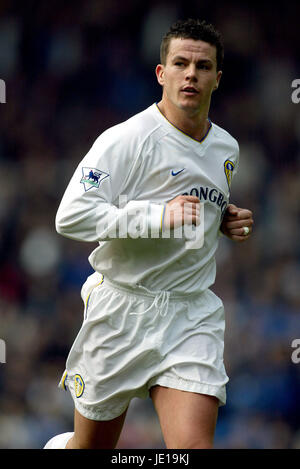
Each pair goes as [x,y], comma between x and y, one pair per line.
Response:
[179,57]
[205,61]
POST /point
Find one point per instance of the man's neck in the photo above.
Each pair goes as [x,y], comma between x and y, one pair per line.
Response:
[195,125]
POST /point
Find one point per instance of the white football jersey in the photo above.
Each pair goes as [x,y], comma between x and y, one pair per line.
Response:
[119,190]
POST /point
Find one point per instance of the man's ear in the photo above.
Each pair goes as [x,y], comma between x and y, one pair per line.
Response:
[219,74]
[159,71]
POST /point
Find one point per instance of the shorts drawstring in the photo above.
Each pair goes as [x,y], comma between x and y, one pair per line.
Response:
[161,298]
[160,302]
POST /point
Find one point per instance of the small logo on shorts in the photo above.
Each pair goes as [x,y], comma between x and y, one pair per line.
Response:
[79,385]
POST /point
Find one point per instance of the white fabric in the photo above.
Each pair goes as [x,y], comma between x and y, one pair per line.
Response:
[147,161]
[153,320]
[132,339]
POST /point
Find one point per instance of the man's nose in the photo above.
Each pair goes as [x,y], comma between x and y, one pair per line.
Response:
[191,73]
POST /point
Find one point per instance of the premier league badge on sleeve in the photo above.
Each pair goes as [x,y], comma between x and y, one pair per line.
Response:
[228,168]
[91,177]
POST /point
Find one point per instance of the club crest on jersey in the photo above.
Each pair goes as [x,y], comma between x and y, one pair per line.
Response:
[79,385]
[228,168]
[91,177]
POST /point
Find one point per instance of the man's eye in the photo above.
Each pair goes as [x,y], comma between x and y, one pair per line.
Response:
[179,63]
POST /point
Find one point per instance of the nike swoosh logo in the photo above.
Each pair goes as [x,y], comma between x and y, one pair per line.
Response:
[177,172]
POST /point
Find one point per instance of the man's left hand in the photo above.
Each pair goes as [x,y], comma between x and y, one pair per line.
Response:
[236,223]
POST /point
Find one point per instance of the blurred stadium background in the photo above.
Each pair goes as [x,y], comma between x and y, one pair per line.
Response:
[71,70]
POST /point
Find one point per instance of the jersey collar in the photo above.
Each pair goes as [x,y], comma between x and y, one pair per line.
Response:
[199,142]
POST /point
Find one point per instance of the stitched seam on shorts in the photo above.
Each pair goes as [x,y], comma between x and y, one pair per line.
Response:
[108,412]
[189,381]
[217,391]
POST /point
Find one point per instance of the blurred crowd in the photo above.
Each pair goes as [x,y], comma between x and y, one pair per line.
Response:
[73,69]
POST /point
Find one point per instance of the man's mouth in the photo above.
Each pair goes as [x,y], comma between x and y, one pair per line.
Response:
[189,90]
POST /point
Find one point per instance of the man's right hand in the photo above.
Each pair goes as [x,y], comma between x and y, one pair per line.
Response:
[182,210]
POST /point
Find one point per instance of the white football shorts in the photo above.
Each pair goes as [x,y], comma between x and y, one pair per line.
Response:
[132,339]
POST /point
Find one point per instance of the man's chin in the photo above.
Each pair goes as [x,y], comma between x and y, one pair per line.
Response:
[191,107]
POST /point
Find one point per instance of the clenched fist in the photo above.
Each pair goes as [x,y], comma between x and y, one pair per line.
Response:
[234,222]
[182,210]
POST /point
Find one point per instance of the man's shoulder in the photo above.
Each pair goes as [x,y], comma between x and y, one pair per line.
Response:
[129,139]
[224,136]
[137,128]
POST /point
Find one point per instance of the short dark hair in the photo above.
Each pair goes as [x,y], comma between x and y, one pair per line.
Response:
[193,29]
